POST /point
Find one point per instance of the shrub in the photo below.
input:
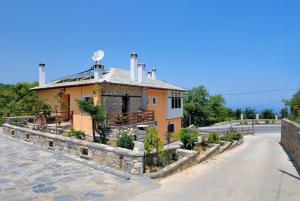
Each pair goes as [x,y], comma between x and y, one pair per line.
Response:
[188,137]
[154,144]
[204,141]
[232,135]
[175,136]
[213,138]
[77,133]
[227,137]
[237,136]
[125,140]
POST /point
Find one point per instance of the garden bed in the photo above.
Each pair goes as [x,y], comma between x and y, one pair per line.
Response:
[200,151]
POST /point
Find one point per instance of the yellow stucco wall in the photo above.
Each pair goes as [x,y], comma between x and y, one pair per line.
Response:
[160,110]
[81,121]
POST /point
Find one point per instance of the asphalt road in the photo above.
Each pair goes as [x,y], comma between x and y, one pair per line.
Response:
[257,170]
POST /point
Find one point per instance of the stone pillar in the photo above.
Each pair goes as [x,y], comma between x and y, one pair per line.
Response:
[257,117]
[144,101]
[242,116]
[276,117]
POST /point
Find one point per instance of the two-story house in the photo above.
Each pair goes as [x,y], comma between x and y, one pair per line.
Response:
[129,97]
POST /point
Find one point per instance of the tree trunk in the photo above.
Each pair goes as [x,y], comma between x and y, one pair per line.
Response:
[94,135]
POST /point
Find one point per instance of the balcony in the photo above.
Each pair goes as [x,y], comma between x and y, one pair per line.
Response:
[121,119]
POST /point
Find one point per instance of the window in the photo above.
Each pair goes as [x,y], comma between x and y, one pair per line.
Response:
[154,100]
[171,128]
[175,100]
[88,99]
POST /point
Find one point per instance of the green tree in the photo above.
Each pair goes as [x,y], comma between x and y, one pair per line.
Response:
[217,111]
[294,105]
[284,112]
[249,113]
[238,113]
[267,114]
[98,116]
[18,100]
[195,106]
[201,109]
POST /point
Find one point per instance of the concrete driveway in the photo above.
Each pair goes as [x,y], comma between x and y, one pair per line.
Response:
[257,170]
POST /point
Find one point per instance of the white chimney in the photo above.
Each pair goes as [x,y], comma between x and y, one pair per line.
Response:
[149,75]
[42,79]
[133,67]
[141,71]
[98,72]
[153,74]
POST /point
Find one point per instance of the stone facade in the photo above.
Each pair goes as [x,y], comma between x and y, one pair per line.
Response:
[128,161]
[290,140]
[111,98]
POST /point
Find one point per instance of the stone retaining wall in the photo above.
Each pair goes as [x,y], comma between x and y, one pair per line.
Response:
[290,139]
[128,161]
[188,159]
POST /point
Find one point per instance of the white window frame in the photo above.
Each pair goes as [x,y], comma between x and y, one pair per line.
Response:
[156,100]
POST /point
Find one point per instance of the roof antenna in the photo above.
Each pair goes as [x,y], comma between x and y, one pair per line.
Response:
[98,68]
[98,56]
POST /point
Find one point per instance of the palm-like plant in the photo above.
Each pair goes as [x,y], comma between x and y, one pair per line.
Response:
[97,113]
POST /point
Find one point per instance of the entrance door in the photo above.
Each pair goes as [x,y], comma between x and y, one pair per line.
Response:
[65,107]
[125,101]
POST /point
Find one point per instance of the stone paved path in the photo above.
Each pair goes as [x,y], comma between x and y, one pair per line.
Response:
[29,172]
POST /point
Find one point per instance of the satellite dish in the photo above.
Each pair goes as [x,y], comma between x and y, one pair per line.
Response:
[98,55]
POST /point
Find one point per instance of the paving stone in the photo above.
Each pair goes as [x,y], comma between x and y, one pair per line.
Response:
[67,179]
[94,194]
[46,189]
[4,181]
[65,197]
[32,173]
[24,164]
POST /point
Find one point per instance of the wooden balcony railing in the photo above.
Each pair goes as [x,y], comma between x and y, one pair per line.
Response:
[117,119]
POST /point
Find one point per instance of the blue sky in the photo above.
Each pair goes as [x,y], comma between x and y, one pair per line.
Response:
[228,46]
